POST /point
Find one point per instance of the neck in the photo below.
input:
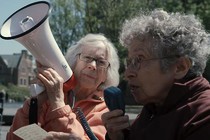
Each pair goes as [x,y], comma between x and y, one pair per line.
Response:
[83,93]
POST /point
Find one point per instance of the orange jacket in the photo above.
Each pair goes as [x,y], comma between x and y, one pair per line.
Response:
[64,119]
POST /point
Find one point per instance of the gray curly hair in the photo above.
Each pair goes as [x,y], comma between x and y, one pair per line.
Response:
[112,57]
[173,34]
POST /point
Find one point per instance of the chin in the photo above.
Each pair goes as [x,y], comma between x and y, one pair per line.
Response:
[140,100]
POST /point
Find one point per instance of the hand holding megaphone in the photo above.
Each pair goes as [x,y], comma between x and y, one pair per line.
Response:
[30,27]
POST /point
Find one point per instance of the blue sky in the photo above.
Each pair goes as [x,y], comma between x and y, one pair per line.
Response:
[8,7]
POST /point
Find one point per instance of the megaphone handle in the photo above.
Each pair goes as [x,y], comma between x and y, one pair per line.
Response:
[69,84]
[36,89]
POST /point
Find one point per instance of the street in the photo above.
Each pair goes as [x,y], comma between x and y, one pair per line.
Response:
[4,130]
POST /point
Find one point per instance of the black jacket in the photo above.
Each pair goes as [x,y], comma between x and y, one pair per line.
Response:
[185,115]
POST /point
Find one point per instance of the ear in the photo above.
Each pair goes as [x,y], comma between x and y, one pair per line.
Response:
[182,67]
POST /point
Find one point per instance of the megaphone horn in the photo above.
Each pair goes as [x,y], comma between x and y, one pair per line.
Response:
[30,27]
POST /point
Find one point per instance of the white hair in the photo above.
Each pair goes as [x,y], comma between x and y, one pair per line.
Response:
[112,57]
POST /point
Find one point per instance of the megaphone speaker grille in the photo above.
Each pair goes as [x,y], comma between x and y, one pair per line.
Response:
[12,27]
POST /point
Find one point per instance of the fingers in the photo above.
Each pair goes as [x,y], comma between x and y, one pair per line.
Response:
[49,77]
[55,136]
[115,113]
[62,136]
[47,72]
[114,121]
[117,124]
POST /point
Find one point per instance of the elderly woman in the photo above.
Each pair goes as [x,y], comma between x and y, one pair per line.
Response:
[95,64]
[167,54]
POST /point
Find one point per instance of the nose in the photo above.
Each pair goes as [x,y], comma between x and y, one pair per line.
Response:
[129,74]
[92,65]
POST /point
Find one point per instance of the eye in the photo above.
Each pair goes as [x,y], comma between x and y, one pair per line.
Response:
[137,60]
[88,58]
[134,61]
[102,62]
[128,61]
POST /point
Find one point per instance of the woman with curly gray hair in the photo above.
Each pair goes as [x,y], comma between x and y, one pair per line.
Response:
[167,54]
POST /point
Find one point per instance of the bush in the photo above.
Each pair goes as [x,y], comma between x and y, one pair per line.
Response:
[18,94]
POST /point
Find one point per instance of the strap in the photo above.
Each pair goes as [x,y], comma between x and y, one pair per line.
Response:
[33,111]
[85,124]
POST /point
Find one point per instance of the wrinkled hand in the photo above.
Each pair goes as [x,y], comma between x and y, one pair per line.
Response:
[62,136]
[53,83]
[114,123]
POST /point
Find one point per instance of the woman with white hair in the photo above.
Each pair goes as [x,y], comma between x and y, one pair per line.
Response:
[95,63]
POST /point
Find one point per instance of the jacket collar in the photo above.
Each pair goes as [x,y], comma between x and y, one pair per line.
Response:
[179,92]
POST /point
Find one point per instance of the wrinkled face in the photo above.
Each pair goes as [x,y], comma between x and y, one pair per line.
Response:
[89,74]
[148,84]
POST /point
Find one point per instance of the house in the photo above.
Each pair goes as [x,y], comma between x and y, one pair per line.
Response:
[17,69]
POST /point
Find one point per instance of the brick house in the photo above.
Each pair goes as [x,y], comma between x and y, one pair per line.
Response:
[17,69]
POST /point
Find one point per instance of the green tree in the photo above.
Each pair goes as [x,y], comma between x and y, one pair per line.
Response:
[66,22]
[72,19]
[107,17]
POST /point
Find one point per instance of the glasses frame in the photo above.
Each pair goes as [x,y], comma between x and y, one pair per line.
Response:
[91,59]
[136,62]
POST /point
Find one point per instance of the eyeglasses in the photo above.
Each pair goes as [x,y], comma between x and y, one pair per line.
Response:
[135,62]
[99,62]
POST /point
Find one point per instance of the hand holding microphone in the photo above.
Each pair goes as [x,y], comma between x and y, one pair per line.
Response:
[115,121]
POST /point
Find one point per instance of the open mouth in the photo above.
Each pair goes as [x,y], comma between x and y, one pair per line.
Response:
[133,88]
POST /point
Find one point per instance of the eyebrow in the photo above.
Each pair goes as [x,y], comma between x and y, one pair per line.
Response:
[98,57]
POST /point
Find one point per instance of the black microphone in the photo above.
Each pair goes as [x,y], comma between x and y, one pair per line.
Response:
[114,99]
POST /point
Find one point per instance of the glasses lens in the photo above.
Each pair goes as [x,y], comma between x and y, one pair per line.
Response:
[134,63]
[102,63]
[89,59]
[127,62]
[86,58]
